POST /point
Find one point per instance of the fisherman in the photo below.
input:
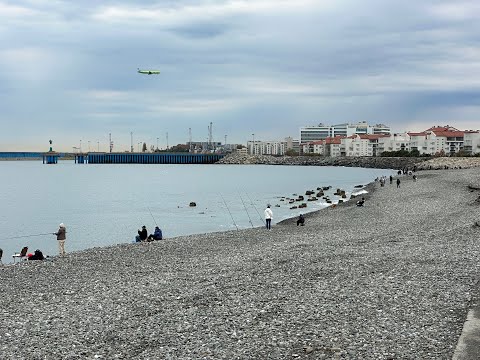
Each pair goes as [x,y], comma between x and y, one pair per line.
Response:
[268,217]
[142,234]
[301,220]
[157,234]
[61,237]
[361,202]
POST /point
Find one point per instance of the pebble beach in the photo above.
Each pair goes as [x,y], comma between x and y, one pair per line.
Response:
[391,280]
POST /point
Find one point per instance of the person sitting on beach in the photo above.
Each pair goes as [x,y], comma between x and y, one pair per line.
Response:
[157,234]
[361,202]
[301,220]
[38,255]
[142,234]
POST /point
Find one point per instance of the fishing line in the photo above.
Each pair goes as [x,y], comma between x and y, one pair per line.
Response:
[251,202]
[229,211]
[152,215]
[24,236]
[249,219]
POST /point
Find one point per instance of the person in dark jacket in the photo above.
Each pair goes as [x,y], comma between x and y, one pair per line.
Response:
[157,234]
[61,237]
[301,220]
[38,255]
[142,234]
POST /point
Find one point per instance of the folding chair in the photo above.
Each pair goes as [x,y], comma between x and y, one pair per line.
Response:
[22,255]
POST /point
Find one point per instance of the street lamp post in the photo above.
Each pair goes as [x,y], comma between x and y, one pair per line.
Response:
[253,144]
[157,143]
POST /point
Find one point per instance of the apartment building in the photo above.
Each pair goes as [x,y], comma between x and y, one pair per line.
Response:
[321,132]
[314,147]
[471,142]
[394,142]
[437,140]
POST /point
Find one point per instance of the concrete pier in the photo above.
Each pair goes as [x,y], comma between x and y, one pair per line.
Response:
[152,158]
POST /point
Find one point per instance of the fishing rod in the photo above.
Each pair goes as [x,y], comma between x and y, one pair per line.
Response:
[249,219]
[24,236]
[229,211]
[251,202]
[152,215]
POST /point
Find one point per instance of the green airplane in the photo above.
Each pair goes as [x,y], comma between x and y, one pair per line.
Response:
[148,72]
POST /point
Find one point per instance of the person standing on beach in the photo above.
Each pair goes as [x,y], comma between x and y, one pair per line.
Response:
[61,237]
[398,183]
[268,217]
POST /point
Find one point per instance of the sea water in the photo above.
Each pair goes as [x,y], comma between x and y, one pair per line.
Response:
[106,204]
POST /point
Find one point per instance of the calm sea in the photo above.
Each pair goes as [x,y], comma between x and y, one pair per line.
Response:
[106,204]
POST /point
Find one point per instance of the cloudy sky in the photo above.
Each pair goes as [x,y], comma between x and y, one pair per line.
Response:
[68,69]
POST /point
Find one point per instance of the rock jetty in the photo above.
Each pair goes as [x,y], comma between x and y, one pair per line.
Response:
[422,163]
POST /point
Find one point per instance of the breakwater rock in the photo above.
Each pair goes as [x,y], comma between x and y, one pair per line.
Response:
[450,163]
[365,162]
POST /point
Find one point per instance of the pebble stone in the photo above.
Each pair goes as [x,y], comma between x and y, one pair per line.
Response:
[391,280]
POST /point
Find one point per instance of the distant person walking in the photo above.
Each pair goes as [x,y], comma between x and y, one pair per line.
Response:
[61,237]
[268,217]
[391,179]
[398,183]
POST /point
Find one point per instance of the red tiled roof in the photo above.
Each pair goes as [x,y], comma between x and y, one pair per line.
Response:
[372,136]
[424,133]
[436,129]
[448,133]
[335,140]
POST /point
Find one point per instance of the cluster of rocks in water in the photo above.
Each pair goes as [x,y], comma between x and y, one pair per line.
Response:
[422,163]
[314,196]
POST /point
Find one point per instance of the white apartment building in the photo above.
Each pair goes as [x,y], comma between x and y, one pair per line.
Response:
[321,132]
[437,140]
[394,142]
[471,142]
[314,147]
[267,147]
[356,145]
[333,146]
[362,145]
[272,147]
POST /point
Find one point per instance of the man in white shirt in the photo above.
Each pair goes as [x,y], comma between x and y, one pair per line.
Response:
[268,217]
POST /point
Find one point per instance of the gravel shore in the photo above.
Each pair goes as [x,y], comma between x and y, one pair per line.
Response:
[391,280]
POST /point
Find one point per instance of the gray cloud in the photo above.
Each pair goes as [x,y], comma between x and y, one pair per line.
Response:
[69,69]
